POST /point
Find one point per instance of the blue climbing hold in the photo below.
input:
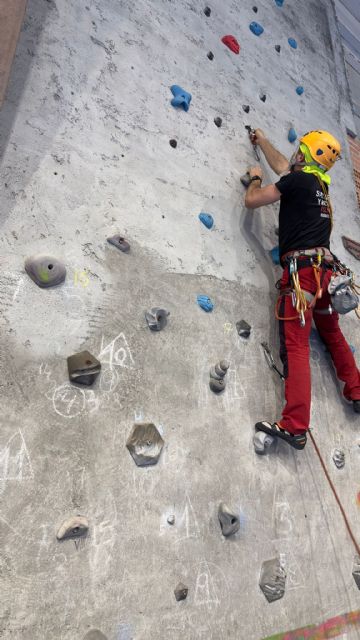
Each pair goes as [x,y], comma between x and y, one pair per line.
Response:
[275,255]
[292,42]
[299,90]
[279,3]
[292,135]
[206,219]
[352,348]
[205,303]
[181,97]
[256,28]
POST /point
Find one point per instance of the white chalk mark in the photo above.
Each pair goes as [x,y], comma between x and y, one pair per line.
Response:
[188,522]
[117,351]
[15,463]
[205,591]
[9,525]
[283,519]
[19,285]
[68,401]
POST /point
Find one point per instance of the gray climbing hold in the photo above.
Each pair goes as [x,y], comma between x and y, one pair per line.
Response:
[229,521]
[263,97]
[83,368]
[173,143]
[171,519]
[145,444]
[119,242]
[245,179]
[74,527]
[217,385]
[94,634]
[356,571]
[218,121]
[207,12]
[277,48]
[46,271]
[262,442]
[181,592]
[338,458]
[243,328]
[210,55]
[222,367]
[272,579]
[217,374]
[246,108]
[156,318]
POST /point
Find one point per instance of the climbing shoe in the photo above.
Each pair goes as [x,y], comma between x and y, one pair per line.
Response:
[296,441]
[356,405]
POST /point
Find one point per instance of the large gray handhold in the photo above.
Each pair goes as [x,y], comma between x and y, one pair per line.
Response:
[94,634]
[338,458]
[74,527]
[262,442]
[145,444]
[119,242]
[229,521]
[156,318]
[45,271]
[243,328]
[217,385]
[181,592]
[83,368]
[356,571]
[272,579]
[217,376]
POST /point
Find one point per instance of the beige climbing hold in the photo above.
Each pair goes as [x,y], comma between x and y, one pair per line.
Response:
[74,527]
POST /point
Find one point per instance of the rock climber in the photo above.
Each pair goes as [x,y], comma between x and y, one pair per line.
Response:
[305,224]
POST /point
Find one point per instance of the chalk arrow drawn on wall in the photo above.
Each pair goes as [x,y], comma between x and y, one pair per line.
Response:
[15,463]
[116,353]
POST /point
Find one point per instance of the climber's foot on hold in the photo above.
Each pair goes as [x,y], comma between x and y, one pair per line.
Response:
[356,405]
[296,441]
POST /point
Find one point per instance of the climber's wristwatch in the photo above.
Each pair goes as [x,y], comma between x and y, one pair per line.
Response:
[255,178]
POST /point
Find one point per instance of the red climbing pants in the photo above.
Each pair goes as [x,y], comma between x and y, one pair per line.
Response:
[295,351]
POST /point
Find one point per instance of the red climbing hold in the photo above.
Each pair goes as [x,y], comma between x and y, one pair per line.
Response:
[232,43]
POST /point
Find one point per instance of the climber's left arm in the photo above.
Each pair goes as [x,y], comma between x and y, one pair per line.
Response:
[258,196]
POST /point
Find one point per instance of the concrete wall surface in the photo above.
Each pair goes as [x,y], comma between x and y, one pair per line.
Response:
[85,153]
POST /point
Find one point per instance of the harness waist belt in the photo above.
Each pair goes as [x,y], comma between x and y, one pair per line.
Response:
[311,253]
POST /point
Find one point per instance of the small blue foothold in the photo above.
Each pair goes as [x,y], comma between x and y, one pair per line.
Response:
[206,219]
[279,3]
[275,255]
[256,28]
[299,90]
[181,97]
[292,135]
[352,348]
[292,42]
[205,303]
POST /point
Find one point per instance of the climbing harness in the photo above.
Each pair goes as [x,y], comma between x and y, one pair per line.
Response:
[342,287]
[302,301]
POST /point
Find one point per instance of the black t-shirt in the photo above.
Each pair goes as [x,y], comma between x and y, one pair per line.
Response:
[304,217]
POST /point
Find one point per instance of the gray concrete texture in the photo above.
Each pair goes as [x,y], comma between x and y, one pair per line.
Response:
[85,153]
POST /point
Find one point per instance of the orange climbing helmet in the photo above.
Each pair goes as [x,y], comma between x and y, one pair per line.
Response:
[323,147]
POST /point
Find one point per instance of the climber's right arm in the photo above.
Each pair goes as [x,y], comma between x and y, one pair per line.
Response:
[274,158]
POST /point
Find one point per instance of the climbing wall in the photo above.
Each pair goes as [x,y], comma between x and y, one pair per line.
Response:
[85,143]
